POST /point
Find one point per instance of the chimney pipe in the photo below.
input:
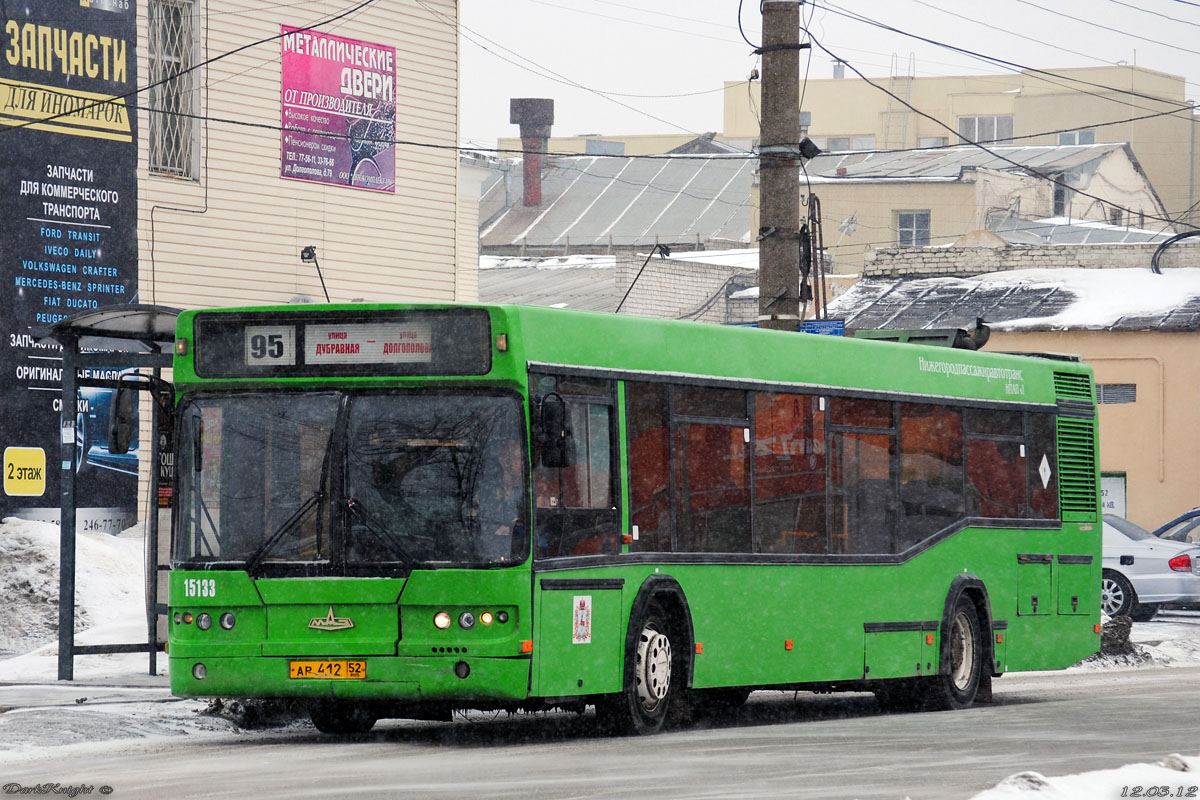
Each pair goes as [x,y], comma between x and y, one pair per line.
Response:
[535,115]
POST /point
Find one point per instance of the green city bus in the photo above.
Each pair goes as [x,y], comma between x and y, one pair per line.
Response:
[407,510]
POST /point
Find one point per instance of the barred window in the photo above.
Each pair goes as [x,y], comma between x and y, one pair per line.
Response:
[174,124]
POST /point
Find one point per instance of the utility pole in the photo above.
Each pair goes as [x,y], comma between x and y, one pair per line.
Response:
[779,165]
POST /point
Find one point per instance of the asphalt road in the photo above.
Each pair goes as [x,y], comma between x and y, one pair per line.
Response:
[778,745]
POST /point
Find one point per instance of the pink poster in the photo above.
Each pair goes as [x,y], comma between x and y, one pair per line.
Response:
[339,110]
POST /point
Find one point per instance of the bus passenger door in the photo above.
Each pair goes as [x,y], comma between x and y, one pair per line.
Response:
[579,640]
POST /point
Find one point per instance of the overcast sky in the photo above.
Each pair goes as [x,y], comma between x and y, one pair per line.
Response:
[657,66]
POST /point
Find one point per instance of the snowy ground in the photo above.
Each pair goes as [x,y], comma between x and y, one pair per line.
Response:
[114,697]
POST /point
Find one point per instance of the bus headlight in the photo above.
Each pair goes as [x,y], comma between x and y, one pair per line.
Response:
[466,620]
[441,620]
[199,671]
[204,622]
[486,618]
[227,621]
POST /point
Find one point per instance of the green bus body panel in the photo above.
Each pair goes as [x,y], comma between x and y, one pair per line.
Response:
[753,624]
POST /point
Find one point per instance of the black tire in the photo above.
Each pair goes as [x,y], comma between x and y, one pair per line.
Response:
[1117,597]
[655,673]
[1143,612]
[962,661]
[341,718]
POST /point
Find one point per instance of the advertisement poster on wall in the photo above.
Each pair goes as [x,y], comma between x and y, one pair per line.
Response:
[68,243]
[338,101]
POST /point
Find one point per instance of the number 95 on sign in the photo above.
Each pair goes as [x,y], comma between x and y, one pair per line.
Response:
[271,345]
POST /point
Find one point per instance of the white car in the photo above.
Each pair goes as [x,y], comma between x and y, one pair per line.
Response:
[1142,571]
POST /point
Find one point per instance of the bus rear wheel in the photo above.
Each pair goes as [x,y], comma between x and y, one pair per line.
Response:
[653,679]
[341,718]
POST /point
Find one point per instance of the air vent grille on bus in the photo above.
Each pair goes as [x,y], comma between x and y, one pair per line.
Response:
[1068,384]
[1077,469]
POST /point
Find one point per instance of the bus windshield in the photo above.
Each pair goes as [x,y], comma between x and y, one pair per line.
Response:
[350,483]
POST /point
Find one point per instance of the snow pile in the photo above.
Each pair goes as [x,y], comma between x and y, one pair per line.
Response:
[1175,772]
[109,595]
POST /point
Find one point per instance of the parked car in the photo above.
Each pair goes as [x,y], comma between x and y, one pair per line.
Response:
[1184,528]
[1142,572]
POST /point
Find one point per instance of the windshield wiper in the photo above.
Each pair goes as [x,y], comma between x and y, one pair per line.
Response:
[377,529]
[284,528]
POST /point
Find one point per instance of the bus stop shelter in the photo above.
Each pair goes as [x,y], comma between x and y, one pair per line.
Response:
[127,337]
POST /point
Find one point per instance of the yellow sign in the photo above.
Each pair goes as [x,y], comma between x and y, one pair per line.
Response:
[332,670]
[24,471]
[69,111]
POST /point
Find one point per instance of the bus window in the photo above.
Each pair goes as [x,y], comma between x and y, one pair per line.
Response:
[1043,467]
[931,471]
[713,487]
[649,438]
[576,505]
[863,512]
[789,473]
[996,473]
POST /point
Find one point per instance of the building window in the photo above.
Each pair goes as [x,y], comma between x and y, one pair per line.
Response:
[1077,137]
[912,228]
[997,129]
[932,141]
[173,45]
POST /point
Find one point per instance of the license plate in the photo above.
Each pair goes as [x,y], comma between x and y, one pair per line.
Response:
[328,670]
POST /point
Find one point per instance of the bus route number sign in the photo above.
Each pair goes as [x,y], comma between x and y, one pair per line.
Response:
[270,345]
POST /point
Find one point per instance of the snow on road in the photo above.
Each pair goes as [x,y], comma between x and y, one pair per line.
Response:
[113,697]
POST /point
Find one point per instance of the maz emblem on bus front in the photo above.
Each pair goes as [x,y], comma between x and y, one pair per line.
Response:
[331,623]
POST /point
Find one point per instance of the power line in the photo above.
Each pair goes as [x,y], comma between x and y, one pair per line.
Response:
[994,154]
[996,60]
[545,72]
[1107,28]
[175,75]
[1011,33]
[1155,13]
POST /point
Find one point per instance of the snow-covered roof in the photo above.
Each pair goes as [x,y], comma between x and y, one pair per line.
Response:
[1049,299]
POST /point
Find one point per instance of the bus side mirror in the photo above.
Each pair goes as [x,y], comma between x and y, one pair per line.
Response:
[122,416]
[556,446]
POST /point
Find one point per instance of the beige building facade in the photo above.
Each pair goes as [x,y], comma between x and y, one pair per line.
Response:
[219,223]
[1145,108]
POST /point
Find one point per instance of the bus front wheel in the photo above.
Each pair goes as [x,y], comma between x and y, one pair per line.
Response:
[653,675]
[963,656]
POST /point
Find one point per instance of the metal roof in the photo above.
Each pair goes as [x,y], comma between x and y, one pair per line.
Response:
[952,162]
[1059,230]
[1060,299]
[623,201]
[583,283]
